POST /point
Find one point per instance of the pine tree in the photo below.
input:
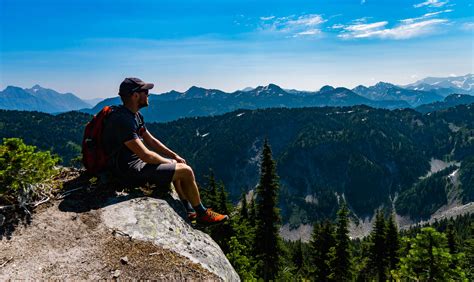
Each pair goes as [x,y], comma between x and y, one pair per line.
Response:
[212,200]
[469,251]
[267,239]
[428,259]
[340,255]
[211,194]
[452,240]
[297,255]
[378,248]
[244,212]
[252,212]
[222,233]
[223,202]
[321,242]
[392,243]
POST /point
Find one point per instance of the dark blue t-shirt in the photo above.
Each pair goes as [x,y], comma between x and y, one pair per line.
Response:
[122,125]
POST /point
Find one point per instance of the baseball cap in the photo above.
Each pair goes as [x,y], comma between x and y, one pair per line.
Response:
[133,84]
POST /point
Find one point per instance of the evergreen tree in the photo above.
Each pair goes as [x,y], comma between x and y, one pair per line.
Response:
[223,205]
[321,242]
[469,251]
[428,259]
[452,240]
[240,260]
[340,255]
[378,248]
[240,253]
[297,255]
[211,197]
[244,212]
[222,233]
[267,239]
[252,212]
[392,243]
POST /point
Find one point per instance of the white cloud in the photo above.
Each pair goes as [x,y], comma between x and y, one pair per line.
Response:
[308,21]
[308,32]
[267,18]
[431,3]
[366,27]
[468,26]
[403,31]
[425,16]
[361,20]
[337,26]
[306,25]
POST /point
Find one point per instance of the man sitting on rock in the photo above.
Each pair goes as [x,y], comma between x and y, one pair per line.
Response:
[125,136]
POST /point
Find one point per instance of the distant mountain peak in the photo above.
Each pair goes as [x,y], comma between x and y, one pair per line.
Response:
[199,92]
[194,88]
[360,87]
[273,87]
[269,88]
[384,84]
[247,89]
[11,87]
[326,88]
[465,82]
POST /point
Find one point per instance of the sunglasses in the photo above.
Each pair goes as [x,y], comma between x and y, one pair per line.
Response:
[137,89]
[145,91]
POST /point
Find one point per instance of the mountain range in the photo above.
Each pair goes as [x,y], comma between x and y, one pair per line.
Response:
[198,101]
[445,85]
[39,99]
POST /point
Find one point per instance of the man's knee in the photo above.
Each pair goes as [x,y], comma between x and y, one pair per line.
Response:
[184,171]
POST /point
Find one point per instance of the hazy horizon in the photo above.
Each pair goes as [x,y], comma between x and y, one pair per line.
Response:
[153,92]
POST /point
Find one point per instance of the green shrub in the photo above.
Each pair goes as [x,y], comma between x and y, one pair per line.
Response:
[21,167]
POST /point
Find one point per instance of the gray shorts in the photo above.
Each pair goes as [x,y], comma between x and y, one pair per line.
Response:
[139,173]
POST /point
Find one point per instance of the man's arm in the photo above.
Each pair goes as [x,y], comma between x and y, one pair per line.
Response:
[160,148]
[138,148]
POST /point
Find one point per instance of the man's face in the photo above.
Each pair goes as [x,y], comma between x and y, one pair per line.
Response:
[143,98]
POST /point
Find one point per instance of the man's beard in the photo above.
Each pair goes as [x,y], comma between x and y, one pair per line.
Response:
[143,104]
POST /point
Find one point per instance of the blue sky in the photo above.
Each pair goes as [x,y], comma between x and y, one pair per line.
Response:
[88,47]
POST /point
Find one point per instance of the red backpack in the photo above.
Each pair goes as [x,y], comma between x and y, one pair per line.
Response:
[94,157]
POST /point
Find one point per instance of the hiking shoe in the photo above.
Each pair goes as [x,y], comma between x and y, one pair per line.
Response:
[211,218]
[192,215]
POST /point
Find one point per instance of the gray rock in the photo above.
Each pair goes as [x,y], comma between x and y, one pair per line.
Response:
[164,223]
[116,273]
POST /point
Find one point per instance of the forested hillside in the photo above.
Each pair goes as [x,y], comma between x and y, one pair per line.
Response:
[366,155]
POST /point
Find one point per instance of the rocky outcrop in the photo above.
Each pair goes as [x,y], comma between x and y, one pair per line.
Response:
[156,221]
[95,232]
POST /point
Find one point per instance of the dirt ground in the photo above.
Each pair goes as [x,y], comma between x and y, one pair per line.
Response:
[67,245]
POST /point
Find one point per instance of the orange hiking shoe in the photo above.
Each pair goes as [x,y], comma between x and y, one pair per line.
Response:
[192,216]
[211,218]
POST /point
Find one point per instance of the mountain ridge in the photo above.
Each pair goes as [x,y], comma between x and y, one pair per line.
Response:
[199,101]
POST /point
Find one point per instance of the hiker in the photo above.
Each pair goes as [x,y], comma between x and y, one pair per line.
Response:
[137,156]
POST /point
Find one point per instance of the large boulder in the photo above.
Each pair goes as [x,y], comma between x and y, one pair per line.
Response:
[161,221]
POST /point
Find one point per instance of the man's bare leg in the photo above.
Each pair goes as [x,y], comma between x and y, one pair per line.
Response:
[187,186]
[177,186]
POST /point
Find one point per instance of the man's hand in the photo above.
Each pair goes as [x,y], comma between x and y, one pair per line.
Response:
[179,159]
